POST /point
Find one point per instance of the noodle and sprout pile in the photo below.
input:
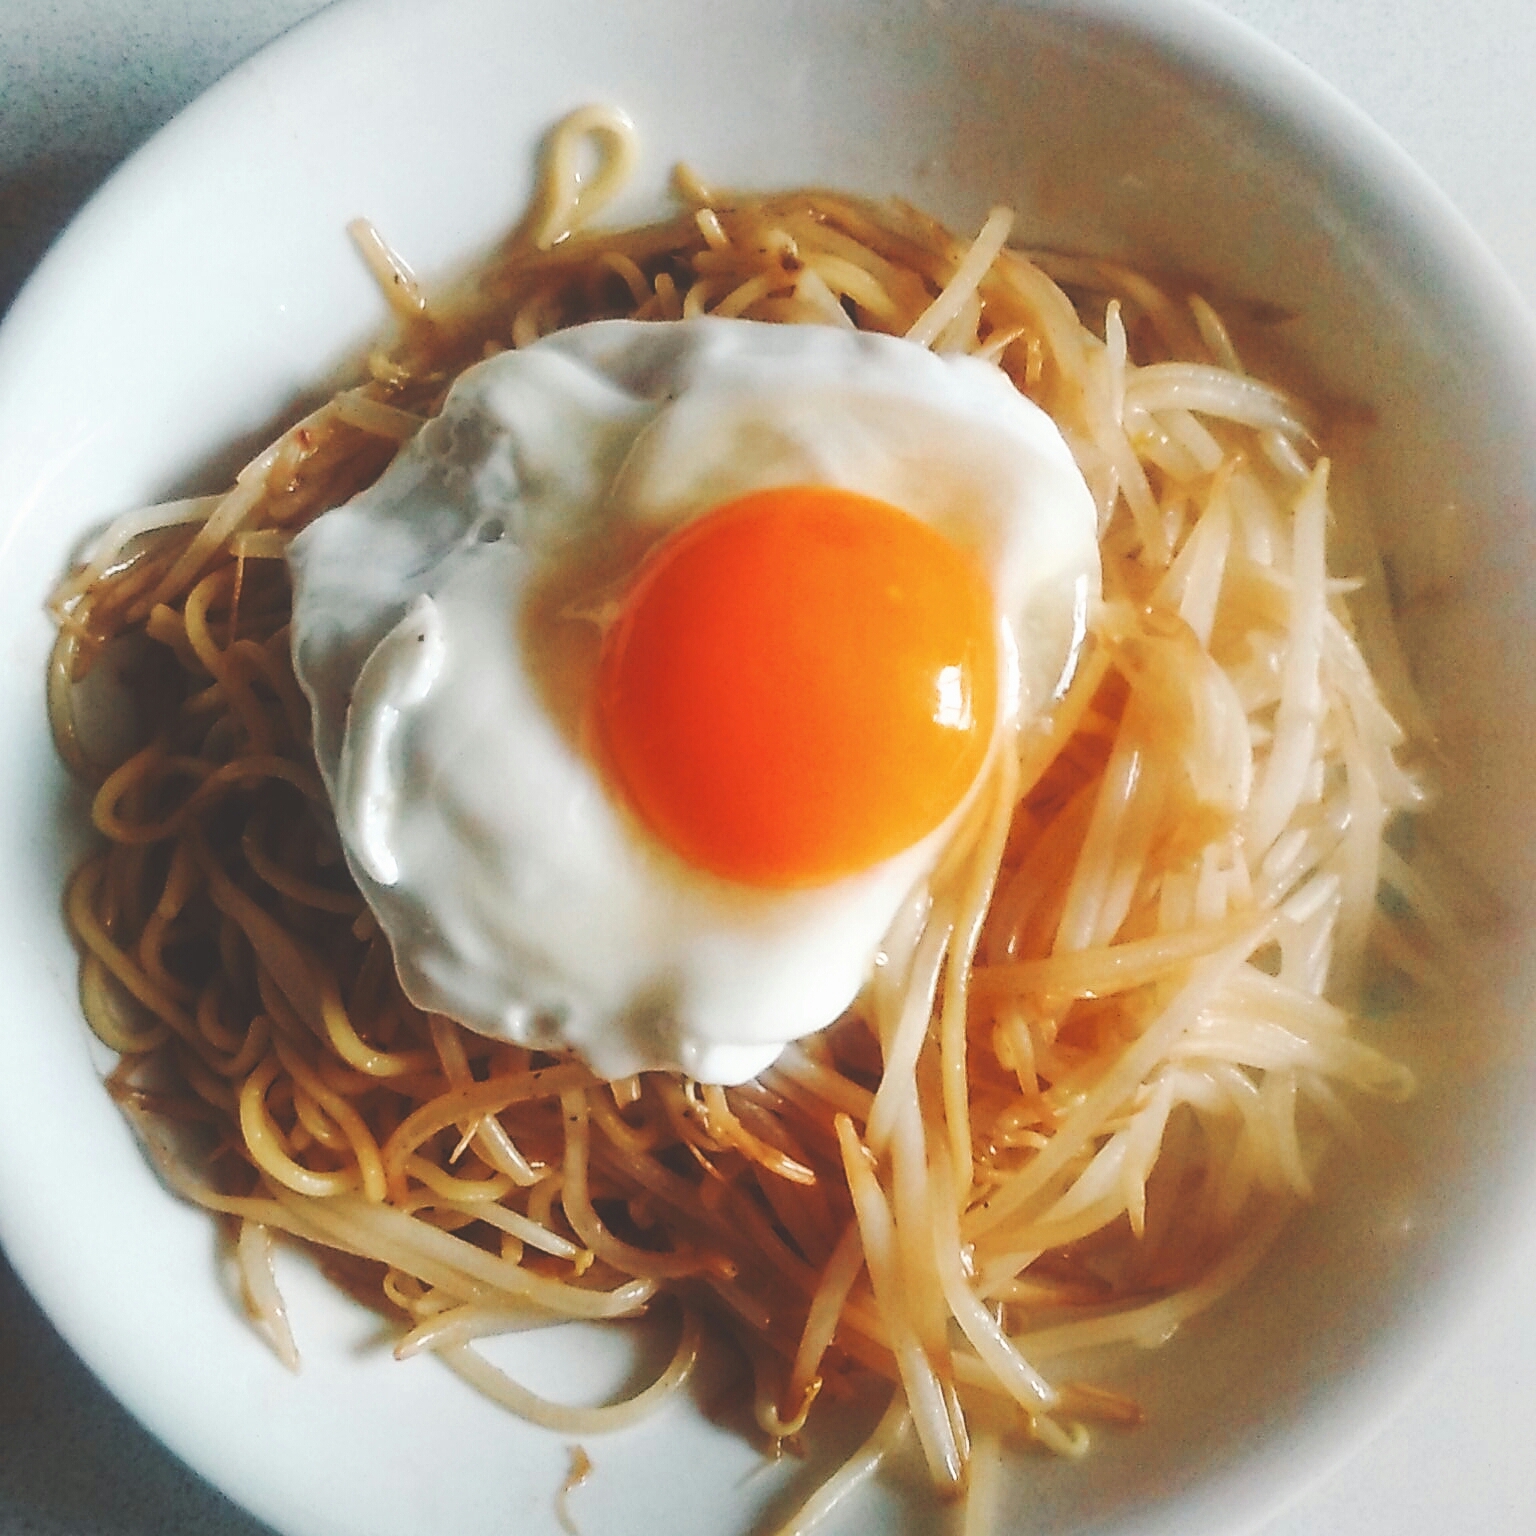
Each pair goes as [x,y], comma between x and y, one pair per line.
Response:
[1088,1080]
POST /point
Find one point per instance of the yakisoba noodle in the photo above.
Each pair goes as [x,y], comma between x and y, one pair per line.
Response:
[1087,1081]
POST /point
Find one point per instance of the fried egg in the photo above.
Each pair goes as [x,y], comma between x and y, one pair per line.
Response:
[654,677]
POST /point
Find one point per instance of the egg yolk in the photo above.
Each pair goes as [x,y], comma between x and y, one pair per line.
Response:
[799,684]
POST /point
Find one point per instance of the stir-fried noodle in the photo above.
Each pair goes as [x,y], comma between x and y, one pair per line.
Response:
[1092,1072]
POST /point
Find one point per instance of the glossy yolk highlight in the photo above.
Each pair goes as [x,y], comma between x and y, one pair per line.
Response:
[800,684]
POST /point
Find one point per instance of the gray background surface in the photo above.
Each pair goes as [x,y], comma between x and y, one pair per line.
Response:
[82,82]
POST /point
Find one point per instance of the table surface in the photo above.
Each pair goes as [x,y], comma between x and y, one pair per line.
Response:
[82,82]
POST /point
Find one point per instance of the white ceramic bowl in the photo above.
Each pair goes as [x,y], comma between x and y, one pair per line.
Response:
[210,286]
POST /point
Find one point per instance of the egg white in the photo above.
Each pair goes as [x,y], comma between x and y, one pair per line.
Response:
[445,630]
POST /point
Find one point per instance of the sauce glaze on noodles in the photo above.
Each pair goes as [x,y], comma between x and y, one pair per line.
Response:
[1095,1068]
